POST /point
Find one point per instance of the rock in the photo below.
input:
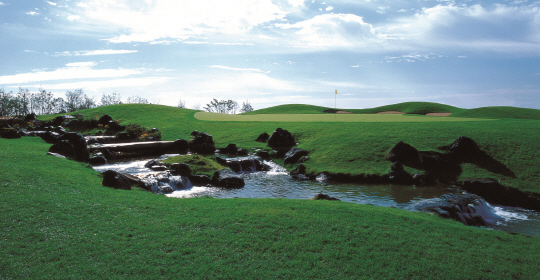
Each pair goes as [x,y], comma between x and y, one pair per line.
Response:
[264,155]
[263,137]
[181,146]
[404,153]
[116,180]
[227,179]
[123,137]
[10,134]
[158,167]
[398,175]
[202,144]
[55,154]
[79,145]
[60,130]
[95,161]
[73,124]
[243,164]
[63,147]
[496,193]
[108,154]
[321,196]
[464,147]
[152,163]
[469,209]
[4,125]
[200,180]
[292,156]
[231,149]
[182,169]
[61,119]
[441,166]
[105,120]
[194,133]
[424,179]
[281,139]
[30,117]
[279,154]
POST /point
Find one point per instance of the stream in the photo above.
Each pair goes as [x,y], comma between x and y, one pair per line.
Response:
[277,183]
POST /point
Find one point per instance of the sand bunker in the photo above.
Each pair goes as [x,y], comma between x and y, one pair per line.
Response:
[391,112]
[343,112]
[439,114]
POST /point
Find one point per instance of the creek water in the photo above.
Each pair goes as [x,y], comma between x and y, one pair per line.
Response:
[277,183]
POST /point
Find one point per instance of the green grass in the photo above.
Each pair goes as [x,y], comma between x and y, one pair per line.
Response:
[199,165]
[205,116]
[415,108]
[58,222]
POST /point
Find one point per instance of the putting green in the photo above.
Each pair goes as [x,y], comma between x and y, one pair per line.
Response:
[205,116]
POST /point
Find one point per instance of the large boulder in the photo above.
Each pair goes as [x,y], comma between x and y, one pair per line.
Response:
[469,209]
[227,179]
[30,117]
[464,148]
[200,180]
[404,153]
[79,144]
[398,175]
[105,120]
[440,166]
[10,134]
[202,143]
[181,146]
[181,169]
[292,156]
[281,139]
[63,147]
[116,180]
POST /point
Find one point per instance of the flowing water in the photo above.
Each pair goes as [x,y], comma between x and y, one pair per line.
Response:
[277,183]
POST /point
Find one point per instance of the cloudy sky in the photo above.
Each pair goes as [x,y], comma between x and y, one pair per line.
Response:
[463,53]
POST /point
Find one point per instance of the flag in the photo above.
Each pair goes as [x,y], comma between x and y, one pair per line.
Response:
[336,91]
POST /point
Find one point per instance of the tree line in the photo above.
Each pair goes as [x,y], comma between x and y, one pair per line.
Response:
[221,106]
[44,103]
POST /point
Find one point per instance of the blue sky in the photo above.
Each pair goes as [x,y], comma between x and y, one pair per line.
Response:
[463,53]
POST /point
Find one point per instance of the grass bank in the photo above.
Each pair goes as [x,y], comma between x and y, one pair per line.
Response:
[358,147]
[58,222]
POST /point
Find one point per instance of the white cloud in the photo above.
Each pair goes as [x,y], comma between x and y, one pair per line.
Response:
[32,13]
[236,69]
[2,4]
[76,70]
[333,30]
[96,86]
[146,22]
[499,28]
[73,17]
[94,52]
[329,8]
[51,3]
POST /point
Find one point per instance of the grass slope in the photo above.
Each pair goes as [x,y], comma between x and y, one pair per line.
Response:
[58,222]
[357,148]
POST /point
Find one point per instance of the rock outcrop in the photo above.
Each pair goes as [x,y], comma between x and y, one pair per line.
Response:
[227,179]
[281,139]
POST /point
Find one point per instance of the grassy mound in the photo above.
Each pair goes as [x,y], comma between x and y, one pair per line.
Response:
[58,222]
[417,108]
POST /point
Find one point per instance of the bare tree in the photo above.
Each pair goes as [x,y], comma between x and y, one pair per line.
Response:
[137,99]
[197,106]
[246,107]
[111,99]
[222,106]
[181,104]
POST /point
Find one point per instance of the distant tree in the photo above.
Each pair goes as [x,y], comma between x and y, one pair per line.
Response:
[222,106]
[246,107]
[197,106]
[111,99]
[77,100]
[137,99]
[181,104]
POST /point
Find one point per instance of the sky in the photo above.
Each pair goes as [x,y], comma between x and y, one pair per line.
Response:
[466,53]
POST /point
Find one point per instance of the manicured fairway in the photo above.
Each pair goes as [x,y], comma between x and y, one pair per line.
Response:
[205,116]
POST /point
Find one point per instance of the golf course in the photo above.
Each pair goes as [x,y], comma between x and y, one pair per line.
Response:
[59,222]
